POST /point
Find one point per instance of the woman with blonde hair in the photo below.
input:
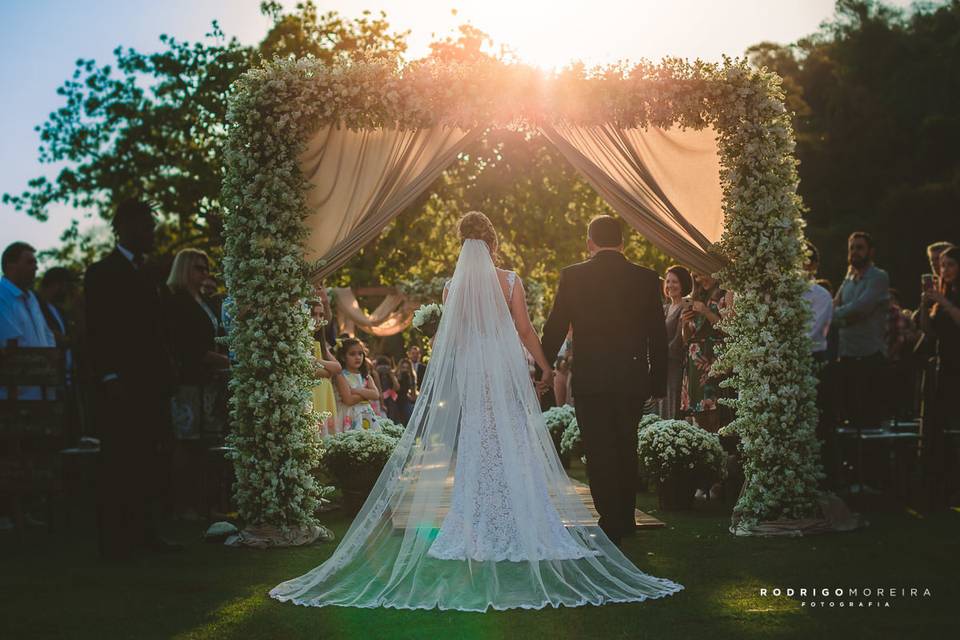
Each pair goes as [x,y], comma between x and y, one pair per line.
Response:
[197,407]
[194,326]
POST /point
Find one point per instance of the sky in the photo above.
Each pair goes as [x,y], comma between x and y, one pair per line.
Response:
[41,39]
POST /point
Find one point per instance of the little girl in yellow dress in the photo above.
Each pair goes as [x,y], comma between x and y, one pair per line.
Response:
[324,398]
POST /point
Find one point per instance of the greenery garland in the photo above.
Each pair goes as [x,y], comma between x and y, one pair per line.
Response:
[274,110]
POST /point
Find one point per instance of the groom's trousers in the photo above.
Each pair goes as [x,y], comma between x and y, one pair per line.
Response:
[608,428]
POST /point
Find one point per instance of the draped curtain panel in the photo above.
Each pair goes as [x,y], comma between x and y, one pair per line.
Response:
[664,183]
[360,180]
[391,316]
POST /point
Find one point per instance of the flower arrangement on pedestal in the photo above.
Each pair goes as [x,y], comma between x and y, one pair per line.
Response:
[557,420]
[570,441]
[676,452]
[354,459]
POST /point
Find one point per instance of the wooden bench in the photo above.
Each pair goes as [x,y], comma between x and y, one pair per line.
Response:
[32,425]
[897,451]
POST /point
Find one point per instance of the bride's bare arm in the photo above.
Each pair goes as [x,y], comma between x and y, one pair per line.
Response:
[521,319]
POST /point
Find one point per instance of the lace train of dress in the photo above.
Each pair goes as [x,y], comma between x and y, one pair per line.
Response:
[484,522]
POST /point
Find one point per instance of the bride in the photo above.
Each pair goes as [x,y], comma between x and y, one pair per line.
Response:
[473,510]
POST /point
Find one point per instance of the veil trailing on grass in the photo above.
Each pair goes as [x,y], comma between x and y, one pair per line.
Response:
[474,509]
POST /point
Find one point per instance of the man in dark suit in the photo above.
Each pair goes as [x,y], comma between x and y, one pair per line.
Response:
[620,339]
[420,369]
[134,378]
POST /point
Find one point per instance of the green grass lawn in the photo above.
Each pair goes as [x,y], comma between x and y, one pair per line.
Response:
[54,586]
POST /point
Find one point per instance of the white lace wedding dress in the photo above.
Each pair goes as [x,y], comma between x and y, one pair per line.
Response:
[473,510]
[483,522]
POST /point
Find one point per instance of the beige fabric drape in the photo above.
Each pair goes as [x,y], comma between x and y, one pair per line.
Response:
[391,316]
[665,183]
[360,180]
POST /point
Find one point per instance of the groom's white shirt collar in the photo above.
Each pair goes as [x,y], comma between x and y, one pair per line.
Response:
[126,253]
[607,250]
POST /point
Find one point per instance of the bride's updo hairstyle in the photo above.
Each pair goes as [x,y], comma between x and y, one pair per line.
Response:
[477,226]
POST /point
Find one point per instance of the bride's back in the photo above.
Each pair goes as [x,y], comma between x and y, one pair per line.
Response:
[507,279]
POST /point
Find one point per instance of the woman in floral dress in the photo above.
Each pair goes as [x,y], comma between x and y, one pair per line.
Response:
[700,390]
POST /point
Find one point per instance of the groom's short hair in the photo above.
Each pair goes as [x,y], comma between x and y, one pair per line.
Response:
[605,231]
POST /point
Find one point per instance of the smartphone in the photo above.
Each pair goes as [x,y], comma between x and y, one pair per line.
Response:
[926,281]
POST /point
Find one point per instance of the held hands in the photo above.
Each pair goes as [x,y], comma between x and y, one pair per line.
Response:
[546,381]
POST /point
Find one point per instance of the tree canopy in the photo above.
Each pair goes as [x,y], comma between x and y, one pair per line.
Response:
[872,94]
[153,125]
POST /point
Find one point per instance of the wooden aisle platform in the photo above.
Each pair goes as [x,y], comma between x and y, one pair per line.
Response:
[641,519]
[401,515]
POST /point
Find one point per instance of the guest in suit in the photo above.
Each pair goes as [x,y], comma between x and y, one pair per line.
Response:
[406,390]
[419,368]
[134,379]
[677,284]
[613,307]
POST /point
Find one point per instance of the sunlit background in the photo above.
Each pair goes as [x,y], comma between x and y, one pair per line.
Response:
[41,39]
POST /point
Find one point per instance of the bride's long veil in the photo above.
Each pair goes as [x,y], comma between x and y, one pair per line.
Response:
[382,560]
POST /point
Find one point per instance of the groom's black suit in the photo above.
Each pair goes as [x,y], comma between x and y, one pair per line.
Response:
[620,360]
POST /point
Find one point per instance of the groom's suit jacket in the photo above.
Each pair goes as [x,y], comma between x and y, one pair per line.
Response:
[619,336]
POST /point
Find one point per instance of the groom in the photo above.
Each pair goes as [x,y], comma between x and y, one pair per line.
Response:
[620,340]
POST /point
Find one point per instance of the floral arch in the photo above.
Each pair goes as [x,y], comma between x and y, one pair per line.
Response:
[320,158]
